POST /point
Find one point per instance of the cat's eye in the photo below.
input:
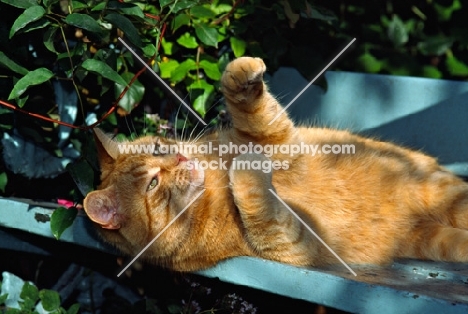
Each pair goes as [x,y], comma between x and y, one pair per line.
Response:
[154,182]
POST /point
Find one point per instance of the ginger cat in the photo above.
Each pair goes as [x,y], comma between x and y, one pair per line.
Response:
[373,205]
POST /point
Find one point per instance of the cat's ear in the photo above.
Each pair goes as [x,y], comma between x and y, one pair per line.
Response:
[107,148]
[102,208]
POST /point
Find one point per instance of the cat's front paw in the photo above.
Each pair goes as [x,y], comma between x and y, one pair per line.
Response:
[249,170]
[250,176]
[242,81]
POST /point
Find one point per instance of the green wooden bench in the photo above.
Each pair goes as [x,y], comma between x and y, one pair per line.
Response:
[419,113]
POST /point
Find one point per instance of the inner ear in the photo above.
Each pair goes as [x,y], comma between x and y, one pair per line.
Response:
[108,150]
[102,208]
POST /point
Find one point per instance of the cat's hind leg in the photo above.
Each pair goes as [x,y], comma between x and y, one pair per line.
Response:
[270,228]
[434,241]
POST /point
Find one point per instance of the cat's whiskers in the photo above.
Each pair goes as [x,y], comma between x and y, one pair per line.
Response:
[199,136]
[193,130]
[144,122]
[132,132]
[184,128]
[210,187]
[175,124]
[185,122]
[205,128]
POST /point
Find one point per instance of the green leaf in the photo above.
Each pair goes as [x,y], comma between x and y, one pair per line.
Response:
[201,84]
[167,67]
[27,305]
[49,3]
[50,299]
[456,67]
[35,77]
[203,93]
[29,15]
[22,4]
[126,8]
[3,298]
[168,47]
[149,50]
[12,65]
[432,72]
[397,32]
[182,5]
[200,12]
[77,5]
[200,103]
[223,61]
[102,69]
[174,309]
[368,63]
[187,41]
[3,181]
[30,292]
[211,69]
[134,94]
[164,3]
[180,20]
[179,73]
[61,219]
[74,309]
[126,26]
[221,8]
[238,46]
[85,22]
[435,46]
[22,101]
[49,39]
[101,6]
[208,35]
[445,12]
[83,175]
[41,23]
[320,13]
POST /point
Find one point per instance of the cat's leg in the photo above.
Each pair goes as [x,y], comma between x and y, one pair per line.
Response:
[440,228]
[251,106]
[445,197]
[432,240]
[270,228]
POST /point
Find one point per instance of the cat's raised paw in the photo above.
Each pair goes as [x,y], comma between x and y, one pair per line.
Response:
[243,79]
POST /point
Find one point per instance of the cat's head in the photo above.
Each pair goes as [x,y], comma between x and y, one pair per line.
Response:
[140,192]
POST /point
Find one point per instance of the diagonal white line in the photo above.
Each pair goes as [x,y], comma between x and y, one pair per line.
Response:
[161,232]
[312,231]
[311,82]
[161,80]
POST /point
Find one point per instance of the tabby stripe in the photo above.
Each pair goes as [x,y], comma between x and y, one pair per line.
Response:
[168,209]
[137,166]
[300,235]
[148,216]
[140,175]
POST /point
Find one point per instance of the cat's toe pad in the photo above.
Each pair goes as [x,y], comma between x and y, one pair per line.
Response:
[243,75]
